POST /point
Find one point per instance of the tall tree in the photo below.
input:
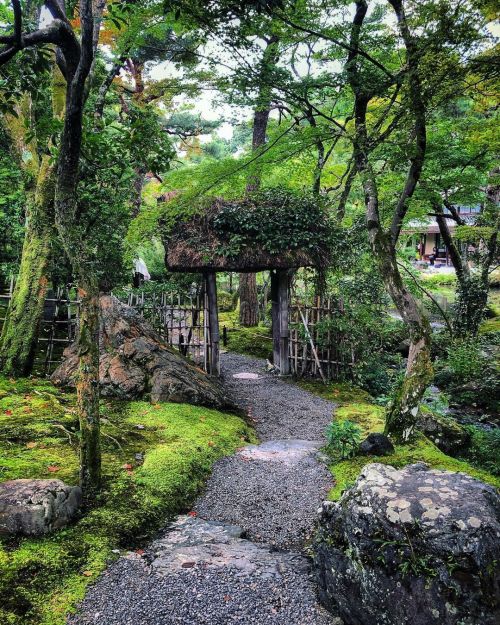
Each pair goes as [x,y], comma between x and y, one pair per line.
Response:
[36,86]
[249,305]
[75,57]
[394,79]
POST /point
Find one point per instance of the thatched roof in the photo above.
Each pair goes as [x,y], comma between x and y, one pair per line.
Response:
[200,244]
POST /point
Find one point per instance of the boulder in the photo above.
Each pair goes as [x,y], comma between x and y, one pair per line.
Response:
[413,546]
[37,507]
[446,433]
[376,445]
[135,363]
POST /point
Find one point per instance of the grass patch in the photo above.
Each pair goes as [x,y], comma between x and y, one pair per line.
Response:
[42,579]
[355,406]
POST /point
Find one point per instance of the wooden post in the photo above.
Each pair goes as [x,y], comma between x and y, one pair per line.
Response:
[283,321]
[213,323]
[275,319]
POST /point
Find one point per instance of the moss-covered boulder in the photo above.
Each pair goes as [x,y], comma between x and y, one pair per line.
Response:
[415,546]
[446,433]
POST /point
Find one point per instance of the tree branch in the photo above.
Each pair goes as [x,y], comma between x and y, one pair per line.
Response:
[418,107]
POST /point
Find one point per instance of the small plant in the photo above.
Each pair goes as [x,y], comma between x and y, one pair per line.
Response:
[343,438]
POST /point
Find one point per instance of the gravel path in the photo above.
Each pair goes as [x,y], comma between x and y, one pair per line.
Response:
[239,560]
[280,409]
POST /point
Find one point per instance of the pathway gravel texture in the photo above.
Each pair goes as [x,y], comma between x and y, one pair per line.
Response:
[240,559]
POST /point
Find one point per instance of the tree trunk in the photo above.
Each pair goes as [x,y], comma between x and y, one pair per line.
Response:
[402,412]
[21,328]
[249,304]
[249,313]
[87,386]
[472,290]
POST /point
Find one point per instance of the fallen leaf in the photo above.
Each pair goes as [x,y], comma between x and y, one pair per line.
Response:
[192,513]
[139,552]
[87,573]
[227,597]
[210,443]
[8,412]
[53,468]
[127,467]
[30,445]
[157,406]
[26,409]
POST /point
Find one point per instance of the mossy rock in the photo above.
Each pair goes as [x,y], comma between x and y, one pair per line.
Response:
[446,433]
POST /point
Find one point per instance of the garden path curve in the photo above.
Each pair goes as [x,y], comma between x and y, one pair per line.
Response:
[240,559]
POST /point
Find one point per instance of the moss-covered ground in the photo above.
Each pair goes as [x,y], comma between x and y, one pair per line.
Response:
[255,341]
[155,459]
[355,405]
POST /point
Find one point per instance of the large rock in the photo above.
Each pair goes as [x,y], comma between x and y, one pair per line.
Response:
[36,507]
[135,362]
[446,433]
[413,547]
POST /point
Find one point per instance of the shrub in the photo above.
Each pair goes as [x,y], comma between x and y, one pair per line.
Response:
[469,374]
[484,450]
[227,301]
[343,438]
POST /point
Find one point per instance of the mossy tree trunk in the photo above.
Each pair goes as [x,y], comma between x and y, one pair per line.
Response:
[87,385]
[21,328]
[249,312]
[75,58]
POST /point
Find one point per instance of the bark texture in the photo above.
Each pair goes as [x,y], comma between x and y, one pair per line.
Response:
[21,328]
[249,307]
[249,304]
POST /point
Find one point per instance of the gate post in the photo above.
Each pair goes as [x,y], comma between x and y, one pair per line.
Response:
[275,318]
[213,323]
[283,284]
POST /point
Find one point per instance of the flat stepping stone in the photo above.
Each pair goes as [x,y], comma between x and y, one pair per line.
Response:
[289,451]
[246,375]
[194,542]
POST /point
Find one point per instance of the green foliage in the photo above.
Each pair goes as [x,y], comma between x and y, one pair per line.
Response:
[484,450]
[276,220]
[343,438]
[41,579]
[469,373]
[227,301]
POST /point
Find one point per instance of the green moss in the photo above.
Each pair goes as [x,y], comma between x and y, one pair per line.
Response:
[43,579]
[250,341]
[338,392]
[490,325]
[420,450]
[370,418]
